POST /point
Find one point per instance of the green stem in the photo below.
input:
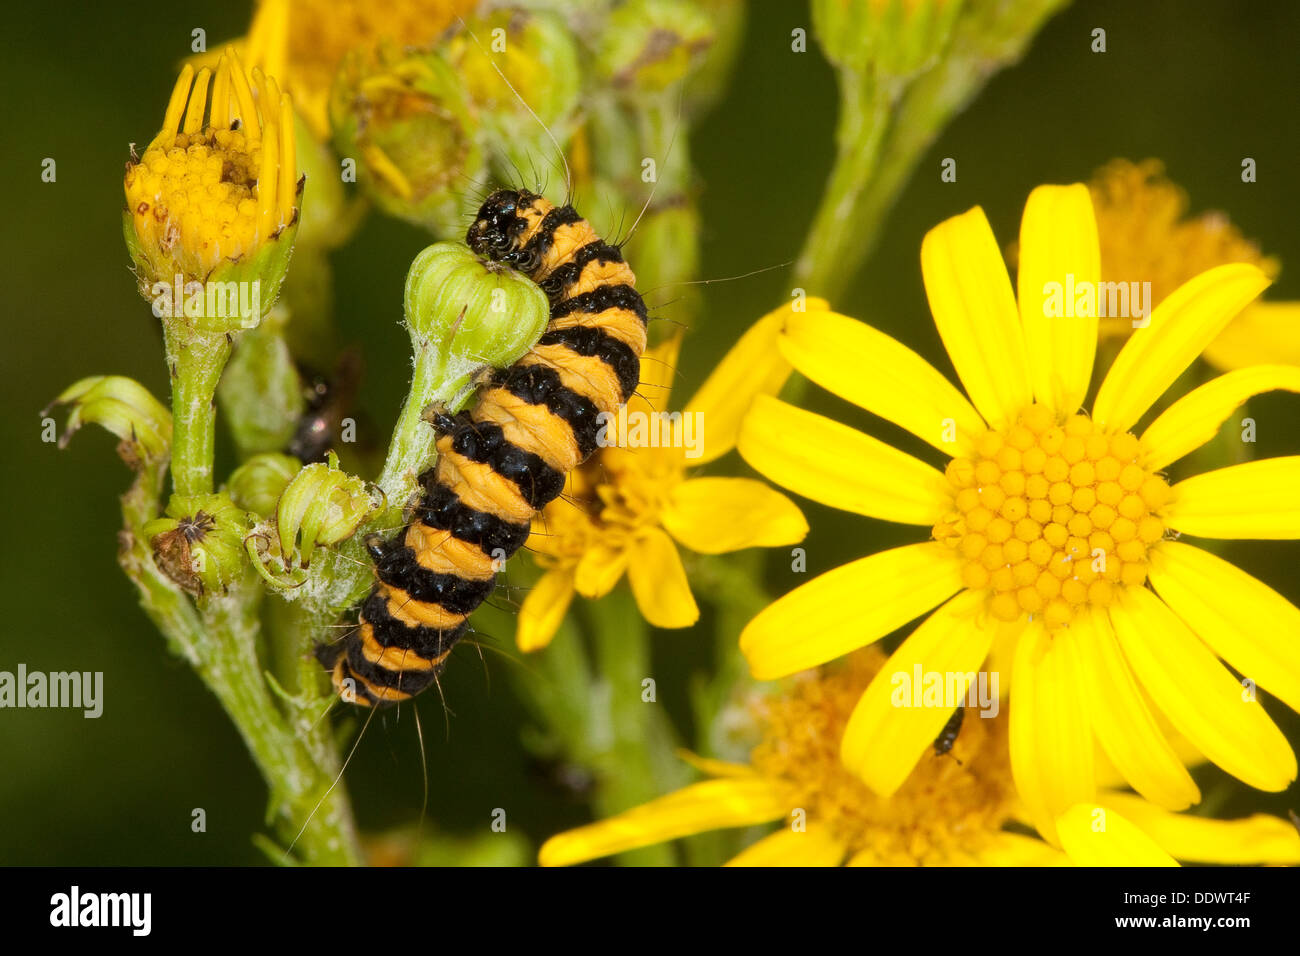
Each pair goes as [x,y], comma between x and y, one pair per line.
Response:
[340,577]
[295,758]
[833,248]
[196,360]
[637,762]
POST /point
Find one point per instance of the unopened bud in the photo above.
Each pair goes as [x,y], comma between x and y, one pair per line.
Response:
[405,121]
[464,313]
[257,484]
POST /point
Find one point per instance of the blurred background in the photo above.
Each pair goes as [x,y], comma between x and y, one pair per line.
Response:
[1199,85]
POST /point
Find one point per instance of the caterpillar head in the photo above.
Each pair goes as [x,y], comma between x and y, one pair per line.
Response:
[495,232]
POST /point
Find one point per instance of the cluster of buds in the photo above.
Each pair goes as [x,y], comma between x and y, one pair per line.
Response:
[320,506]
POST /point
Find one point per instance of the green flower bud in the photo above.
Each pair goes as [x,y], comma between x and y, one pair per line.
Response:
[320,506]
[200,542]
[463,313]
[257,484]
[537,56]
[649,45]
[261,391]
[405,122]
[124,407]
[895,38]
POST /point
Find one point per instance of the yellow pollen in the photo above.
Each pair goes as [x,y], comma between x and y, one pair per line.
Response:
[1147,236]
[220,178]
[943,812]
[1050,518]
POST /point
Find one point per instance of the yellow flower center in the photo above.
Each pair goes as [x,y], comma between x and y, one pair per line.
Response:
[1051,518]
[607,500]
[220,178]
[1145,234]
[944,811]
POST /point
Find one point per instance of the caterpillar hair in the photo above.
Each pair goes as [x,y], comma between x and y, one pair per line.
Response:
[506,457]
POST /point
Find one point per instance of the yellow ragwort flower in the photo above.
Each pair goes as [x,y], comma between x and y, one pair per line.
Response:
[945,814]
[1047,525]
[1146,235]
[304,41]
[629,506]
[219,182]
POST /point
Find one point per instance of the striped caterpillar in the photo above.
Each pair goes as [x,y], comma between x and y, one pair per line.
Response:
[506,457]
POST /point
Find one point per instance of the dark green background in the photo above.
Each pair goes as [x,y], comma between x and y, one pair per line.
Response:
[1198,84]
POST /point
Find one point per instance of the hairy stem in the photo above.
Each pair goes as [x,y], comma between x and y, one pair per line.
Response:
[196,360]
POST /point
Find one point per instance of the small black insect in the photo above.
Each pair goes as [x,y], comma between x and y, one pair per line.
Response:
[948,736]
[328,401]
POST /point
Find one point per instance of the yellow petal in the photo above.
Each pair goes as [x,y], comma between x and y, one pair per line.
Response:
[975,311]
[1180,328]
[875,371]
[1058,244]
[1122,722]
[849,607]
[1015,849]
[718,515]
[1198,695]
[1260,838]
[714,767]
[710,805]
[753,367]
[1097,836]
[839,466]
[1265,332]
[1241,618]
[599,569]
[1256,499]
[1051,742]
[887,734]
[786,847]
[543,610]
[1195,418]
[659,581]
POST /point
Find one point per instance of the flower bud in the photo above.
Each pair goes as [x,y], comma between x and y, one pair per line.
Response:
[124,407]
[212,206]
[200,543]
[320,506]
[896,38]
[649,45]
[257,484]
[404,120]
[537,56]
[464,313]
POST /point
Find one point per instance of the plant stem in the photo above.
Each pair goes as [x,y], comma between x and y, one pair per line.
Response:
[295,758]
[196,360]
[833,248]
[637,762]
